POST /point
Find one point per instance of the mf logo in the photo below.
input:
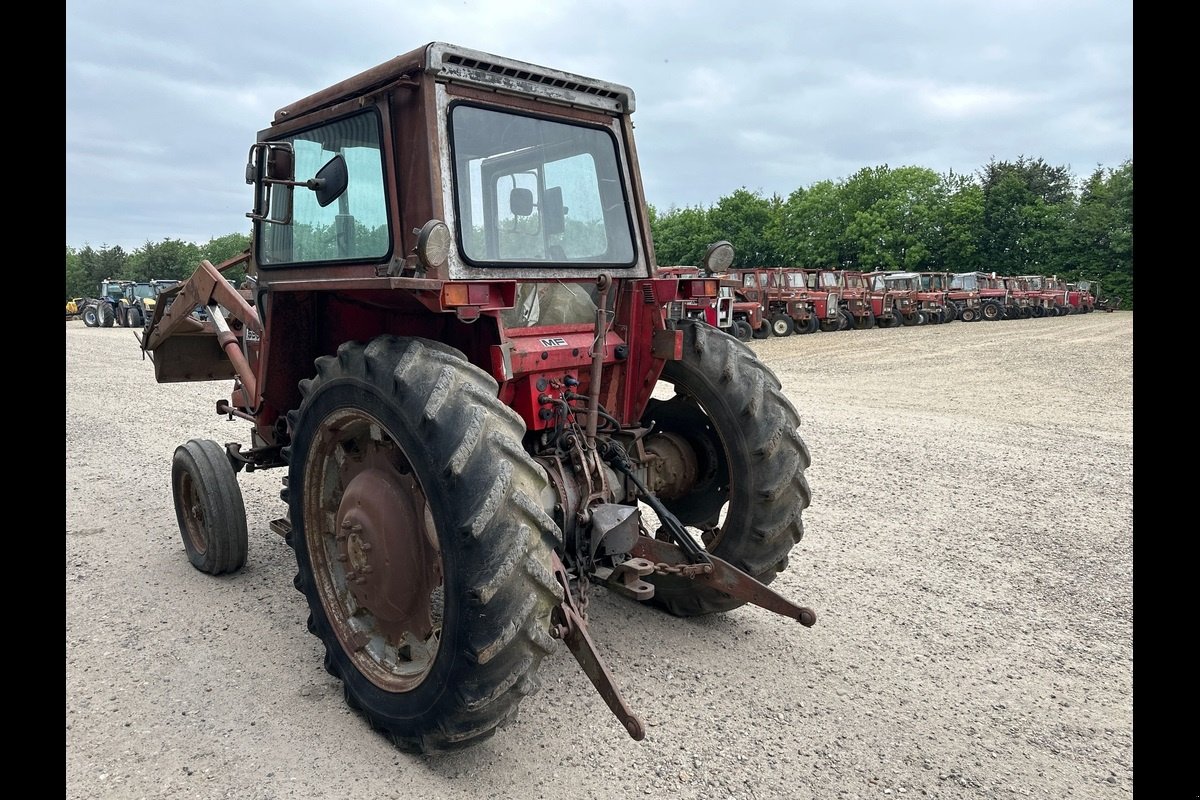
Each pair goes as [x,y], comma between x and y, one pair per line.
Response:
[554,341]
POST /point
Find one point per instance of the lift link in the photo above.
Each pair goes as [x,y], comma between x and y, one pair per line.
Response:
[716,572]
[569,625]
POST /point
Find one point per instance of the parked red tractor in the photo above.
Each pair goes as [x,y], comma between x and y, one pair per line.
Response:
[727,311]
[456,349]
[994,297]
[853,298]
[960,303]
[786,301]
[894,299]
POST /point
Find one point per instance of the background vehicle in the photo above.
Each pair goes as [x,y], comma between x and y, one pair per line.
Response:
[905,288]
[726,311]
[994,298]
[785,300]
[476,394]
[854,301]
[139,301]
[960,303]
[893,301]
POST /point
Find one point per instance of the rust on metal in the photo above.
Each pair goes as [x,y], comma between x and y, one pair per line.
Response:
[571,628]
[726,578]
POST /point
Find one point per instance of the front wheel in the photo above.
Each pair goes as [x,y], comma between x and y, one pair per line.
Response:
[209,507]
[421,542]
[91,316]
[742,330]
[732,410]
[968,315]
[135,317]
[781,325]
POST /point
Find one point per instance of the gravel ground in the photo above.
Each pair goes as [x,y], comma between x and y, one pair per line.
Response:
[968,552]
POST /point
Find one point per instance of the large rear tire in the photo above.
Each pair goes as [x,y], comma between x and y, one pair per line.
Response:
[422,546]
[209,507]
[991,310]
[731,408]
[105,315]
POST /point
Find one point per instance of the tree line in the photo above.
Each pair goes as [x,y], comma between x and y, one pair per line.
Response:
[1023,217]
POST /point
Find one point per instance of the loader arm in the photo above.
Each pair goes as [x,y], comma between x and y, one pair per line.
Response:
[184,348]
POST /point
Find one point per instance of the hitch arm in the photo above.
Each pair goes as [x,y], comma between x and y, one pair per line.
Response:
[569,625]
[724,577]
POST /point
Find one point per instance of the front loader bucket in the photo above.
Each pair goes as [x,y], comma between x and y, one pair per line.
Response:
[185,347]
[191,356]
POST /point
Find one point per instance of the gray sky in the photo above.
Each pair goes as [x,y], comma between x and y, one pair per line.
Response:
[164,99]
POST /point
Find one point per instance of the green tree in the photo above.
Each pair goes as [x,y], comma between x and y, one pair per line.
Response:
[682,235]
[892,212]
[1027,204]
[743,219]
[170,258]
[1102,242]
[959,221]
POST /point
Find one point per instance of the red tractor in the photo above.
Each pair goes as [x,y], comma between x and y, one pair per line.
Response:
[453,344]
[959,303]
[727,311]
[854,300]
[894,299]
[783,295]
[1085,297]
[994,297]
[932,308]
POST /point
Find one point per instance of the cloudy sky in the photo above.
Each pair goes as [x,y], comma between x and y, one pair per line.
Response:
[164,99]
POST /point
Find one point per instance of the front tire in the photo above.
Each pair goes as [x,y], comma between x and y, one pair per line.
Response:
[422,546]
[731,407]
[742,330]
[135,317]
[91,316]
[209,507]
[782,325]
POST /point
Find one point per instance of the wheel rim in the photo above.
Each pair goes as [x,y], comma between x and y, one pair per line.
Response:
[373,547]
[194,526]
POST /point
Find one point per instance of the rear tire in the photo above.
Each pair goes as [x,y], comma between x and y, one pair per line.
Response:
[731,406]
[421,543]
[105,315]
[991,310]
[209,507]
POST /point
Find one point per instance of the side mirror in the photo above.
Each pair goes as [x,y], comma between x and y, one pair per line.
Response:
[520,202]
[552,211]
[331,181]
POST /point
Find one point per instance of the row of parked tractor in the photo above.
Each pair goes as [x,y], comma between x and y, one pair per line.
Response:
[779,301]
[128,304]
